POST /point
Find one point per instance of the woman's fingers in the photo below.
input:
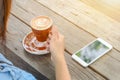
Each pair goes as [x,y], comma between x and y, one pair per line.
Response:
[55,32]
[47,45]
[53,37]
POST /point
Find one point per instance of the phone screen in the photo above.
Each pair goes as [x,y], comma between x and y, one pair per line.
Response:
[92,51]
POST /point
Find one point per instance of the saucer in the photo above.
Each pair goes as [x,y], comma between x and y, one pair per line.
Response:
[33,46]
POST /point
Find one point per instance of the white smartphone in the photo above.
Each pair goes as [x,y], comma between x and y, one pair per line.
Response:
[91,52]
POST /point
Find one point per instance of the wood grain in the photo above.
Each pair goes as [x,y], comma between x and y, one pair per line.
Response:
[43,64]
[108,7]
[16,32]
[87,18]
[18,28]
[68,29]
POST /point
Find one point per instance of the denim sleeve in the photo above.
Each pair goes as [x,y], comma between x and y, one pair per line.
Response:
[9,72]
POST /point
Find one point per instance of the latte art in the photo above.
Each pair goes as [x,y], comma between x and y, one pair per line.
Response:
[41,23]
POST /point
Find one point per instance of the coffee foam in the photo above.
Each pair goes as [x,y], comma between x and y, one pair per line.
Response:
[41,23]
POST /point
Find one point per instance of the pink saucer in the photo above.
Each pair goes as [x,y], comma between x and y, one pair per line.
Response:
[32,46]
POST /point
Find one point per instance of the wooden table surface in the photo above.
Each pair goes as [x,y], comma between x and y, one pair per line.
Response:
[81,21]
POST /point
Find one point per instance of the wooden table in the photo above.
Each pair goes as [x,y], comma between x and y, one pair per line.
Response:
[81,21]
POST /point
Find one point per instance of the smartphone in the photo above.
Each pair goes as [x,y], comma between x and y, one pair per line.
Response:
[91,52]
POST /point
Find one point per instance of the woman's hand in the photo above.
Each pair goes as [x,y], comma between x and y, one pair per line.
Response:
[56,45]
[57,52]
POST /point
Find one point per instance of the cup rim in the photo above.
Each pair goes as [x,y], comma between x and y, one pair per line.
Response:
[48,26]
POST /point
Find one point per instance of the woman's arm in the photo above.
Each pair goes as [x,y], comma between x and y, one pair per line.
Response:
[57,51]
[62,72]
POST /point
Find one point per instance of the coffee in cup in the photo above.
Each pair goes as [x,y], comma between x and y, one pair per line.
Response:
[41,27]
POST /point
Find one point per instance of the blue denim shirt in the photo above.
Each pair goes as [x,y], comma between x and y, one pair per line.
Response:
[9,72]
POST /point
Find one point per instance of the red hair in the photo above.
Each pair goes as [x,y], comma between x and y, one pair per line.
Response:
[7,7]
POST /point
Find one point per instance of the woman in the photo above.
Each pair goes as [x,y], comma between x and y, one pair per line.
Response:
[56,46]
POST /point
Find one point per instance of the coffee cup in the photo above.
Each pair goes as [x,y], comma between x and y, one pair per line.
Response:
[41,27]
